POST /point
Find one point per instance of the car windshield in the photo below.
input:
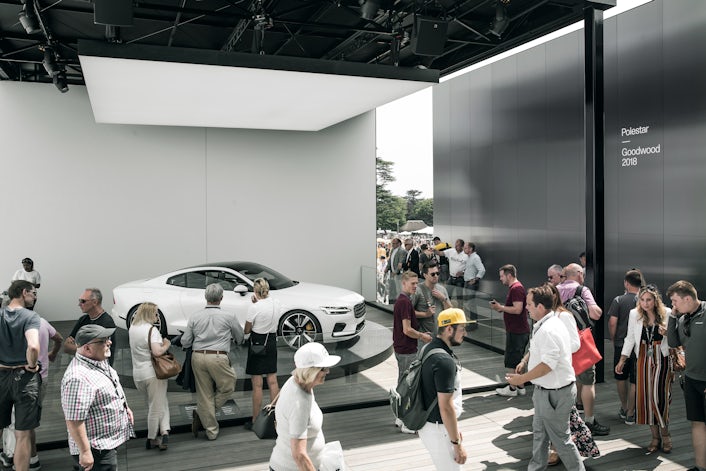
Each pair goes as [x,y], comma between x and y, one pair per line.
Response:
[253,271]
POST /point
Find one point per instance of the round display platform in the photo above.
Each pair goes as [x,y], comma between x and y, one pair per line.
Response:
[372,346]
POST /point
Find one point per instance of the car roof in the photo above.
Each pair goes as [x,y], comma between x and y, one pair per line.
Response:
[231,265]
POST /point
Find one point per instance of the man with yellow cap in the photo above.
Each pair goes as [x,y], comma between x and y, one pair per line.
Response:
[441,380]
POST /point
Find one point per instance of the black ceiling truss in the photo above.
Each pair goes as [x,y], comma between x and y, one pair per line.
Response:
[365,31]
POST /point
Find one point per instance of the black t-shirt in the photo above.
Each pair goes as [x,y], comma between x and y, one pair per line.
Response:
[104,320]
[438,375]
[620,308]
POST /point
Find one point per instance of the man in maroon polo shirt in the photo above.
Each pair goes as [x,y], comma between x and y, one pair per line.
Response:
[405,330]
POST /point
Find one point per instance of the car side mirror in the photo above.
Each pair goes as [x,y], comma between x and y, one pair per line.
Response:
[241,289]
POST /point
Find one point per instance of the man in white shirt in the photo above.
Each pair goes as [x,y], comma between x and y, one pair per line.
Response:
[475,270]
[457,267]
[550,371]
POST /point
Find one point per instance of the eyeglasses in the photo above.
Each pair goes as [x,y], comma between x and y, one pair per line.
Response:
[98,341]
[83,301]
[33,293]
[435,273]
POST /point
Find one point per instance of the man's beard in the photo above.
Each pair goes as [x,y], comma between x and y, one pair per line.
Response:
[454,342]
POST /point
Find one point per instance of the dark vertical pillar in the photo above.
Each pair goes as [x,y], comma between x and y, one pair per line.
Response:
[594,121]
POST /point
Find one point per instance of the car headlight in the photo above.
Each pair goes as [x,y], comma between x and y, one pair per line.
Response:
[335,310]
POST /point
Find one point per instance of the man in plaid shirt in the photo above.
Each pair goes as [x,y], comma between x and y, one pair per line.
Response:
[96,412]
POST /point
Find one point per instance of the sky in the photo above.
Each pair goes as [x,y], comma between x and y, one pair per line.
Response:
[404,136]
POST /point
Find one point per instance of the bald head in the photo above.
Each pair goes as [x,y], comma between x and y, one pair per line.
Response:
[574,271]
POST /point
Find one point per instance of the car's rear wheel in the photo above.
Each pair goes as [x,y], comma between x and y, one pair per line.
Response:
[298,328]
[162,322]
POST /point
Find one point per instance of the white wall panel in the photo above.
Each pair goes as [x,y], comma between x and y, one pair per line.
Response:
[98,205]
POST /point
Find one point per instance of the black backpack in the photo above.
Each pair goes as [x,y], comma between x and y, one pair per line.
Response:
[579,309]
[406,400]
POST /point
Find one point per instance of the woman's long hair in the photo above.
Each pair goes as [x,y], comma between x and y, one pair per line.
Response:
[660,311]
[145,314]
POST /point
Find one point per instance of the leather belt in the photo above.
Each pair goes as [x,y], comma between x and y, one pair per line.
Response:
[211,352]
[555,389]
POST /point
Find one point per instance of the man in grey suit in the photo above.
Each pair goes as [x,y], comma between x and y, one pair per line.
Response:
[394,267]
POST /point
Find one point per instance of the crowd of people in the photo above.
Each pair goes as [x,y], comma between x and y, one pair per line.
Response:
[98,417]
[646,336]
[540,353]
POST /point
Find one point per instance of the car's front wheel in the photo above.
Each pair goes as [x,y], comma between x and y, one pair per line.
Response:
[298,328]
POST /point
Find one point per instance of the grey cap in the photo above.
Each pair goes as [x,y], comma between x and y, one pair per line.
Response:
[90,332]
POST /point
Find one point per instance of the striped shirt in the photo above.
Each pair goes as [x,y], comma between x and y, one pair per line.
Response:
[91,392]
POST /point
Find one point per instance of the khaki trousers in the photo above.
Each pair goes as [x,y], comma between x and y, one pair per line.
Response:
[158,406]
[215,382]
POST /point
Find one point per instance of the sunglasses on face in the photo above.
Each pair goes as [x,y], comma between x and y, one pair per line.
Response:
[433,273]
[83,301]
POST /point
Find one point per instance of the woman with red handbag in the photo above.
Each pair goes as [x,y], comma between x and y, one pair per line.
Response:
[647,337]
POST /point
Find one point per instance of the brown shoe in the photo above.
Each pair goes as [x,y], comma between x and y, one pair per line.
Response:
[195,424]
[553,459]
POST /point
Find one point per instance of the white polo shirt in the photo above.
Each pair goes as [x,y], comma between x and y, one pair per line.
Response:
[457,261]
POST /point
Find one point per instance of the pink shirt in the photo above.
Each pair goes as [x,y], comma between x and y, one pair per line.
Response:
[46,332]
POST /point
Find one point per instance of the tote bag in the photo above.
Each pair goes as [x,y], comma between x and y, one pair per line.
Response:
[587,355]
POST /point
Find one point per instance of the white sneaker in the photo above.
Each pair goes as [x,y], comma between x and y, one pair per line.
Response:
[404,429]
[521,391]
[506,391]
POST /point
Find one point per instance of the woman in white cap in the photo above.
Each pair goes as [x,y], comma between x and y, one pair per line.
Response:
[298,417]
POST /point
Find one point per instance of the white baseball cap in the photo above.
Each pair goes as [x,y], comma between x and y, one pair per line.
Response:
[314,355]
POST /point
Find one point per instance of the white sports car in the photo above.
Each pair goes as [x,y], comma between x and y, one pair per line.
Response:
[310,312]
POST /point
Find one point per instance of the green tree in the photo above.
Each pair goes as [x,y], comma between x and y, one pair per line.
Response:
[411,198]
[391,209]
[424,210]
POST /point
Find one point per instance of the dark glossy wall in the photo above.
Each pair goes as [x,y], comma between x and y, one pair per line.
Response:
[509,153]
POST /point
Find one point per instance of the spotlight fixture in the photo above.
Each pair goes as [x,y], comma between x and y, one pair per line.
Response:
[501,20]
[369,8]
[28,18]
[49,61]
[60,82]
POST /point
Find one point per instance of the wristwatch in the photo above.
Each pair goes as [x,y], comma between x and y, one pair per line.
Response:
[457,442]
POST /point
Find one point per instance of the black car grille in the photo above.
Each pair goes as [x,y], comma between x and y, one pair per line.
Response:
[359,327]
[359,310]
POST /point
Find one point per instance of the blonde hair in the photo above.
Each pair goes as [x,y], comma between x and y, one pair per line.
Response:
[660,311]
[306,376]
[145,314]
[261,288]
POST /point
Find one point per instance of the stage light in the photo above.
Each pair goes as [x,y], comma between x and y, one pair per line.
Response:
[501,20]
[49,62]
[369,8]
[28,18]
[60,82]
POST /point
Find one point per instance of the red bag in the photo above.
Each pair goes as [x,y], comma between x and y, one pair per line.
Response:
[587,355]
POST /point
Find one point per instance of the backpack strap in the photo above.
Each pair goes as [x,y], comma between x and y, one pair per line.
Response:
[579,290]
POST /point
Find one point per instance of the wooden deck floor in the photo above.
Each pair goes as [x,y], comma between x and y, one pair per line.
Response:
[497,431]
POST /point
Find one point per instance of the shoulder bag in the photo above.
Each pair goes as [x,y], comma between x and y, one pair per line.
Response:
[587,355]
[258,349]
[165,366]
[677,359]
[265,425]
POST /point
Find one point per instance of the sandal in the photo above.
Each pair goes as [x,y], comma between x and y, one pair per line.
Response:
[666,443]
[654,445]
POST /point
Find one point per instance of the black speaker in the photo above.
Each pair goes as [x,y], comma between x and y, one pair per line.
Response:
[428,36]
[113,12]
